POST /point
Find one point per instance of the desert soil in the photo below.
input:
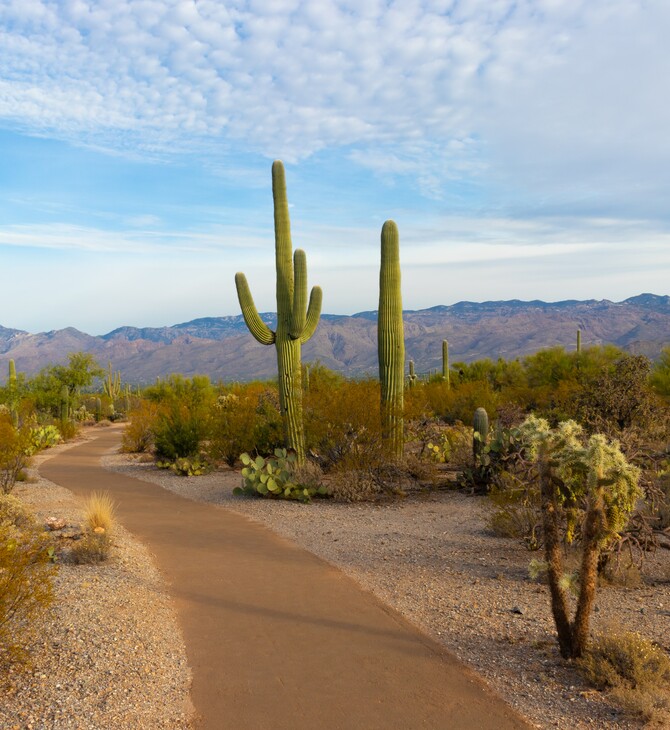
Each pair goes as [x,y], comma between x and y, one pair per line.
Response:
[112,649]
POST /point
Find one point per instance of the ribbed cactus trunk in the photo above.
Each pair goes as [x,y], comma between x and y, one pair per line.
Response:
[480,426]
[579,342]
[64,403]
[391,342]
[13,394]
[296,319]
[445,363]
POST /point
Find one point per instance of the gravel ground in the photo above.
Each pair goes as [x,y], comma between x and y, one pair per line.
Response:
[432,558]
[110,652]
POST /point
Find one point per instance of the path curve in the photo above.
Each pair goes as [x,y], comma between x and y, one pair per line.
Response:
[278,639]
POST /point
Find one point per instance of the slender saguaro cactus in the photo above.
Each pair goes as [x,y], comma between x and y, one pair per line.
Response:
[412,377]
[480,426]
[445,363]
[111,385]
[391,342]
[296,320]
[13,394]
[64,403]
[579,342]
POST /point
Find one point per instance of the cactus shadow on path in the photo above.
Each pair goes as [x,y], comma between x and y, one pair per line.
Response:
[276,637]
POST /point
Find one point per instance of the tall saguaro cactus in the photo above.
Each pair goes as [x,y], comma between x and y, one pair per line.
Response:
[445,363]
[296,320]
[13,394]
[391,342]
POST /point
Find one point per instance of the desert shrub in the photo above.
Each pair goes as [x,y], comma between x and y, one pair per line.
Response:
[68,429]
[635,671]
[469,396]
[182,421]
[516,512]
[14,449]
[244,419]
[138,435]
[26,573]
[275,477]
[92,547]
[365,473]
[178,433]
[99,521]
[619,397]
[660,374]
[341,418]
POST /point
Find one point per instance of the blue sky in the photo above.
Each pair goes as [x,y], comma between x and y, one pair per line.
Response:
[522,147]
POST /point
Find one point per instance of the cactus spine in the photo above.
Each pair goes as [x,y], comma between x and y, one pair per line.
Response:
[296,320]
[445,363]
[391,342]
[481,433]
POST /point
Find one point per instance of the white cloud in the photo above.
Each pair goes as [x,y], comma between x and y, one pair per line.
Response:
[545,105]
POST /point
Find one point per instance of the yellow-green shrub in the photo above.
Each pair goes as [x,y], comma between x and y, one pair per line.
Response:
[26,573]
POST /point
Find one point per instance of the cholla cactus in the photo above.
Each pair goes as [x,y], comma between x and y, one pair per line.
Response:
[391,342]
[296,320]
[596,476]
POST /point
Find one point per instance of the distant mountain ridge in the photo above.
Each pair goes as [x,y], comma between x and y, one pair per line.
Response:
[222,348]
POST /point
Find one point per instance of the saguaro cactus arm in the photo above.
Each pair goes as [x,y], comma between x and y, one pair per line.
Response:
[256,326]
[313,314]
[299,309]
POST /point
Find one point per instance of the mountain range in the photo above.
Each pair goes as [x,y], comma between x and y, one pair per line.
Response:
[222,348]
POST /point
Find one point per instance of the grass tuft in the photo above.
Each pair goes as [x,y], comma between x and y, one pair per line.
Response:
[99,512]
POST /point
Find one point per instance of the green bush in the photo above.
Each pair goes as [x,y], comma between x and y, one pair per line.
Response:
[14,450]
[138,435]
[26,573]
[177,433]
[244,419]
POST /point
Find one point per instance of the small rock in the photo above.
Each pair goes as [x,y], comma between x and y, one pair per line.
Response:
[518,610]
[55,523]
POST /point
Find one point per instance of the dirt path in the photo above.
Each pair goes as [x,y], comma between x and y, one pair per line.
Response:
[276,637]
